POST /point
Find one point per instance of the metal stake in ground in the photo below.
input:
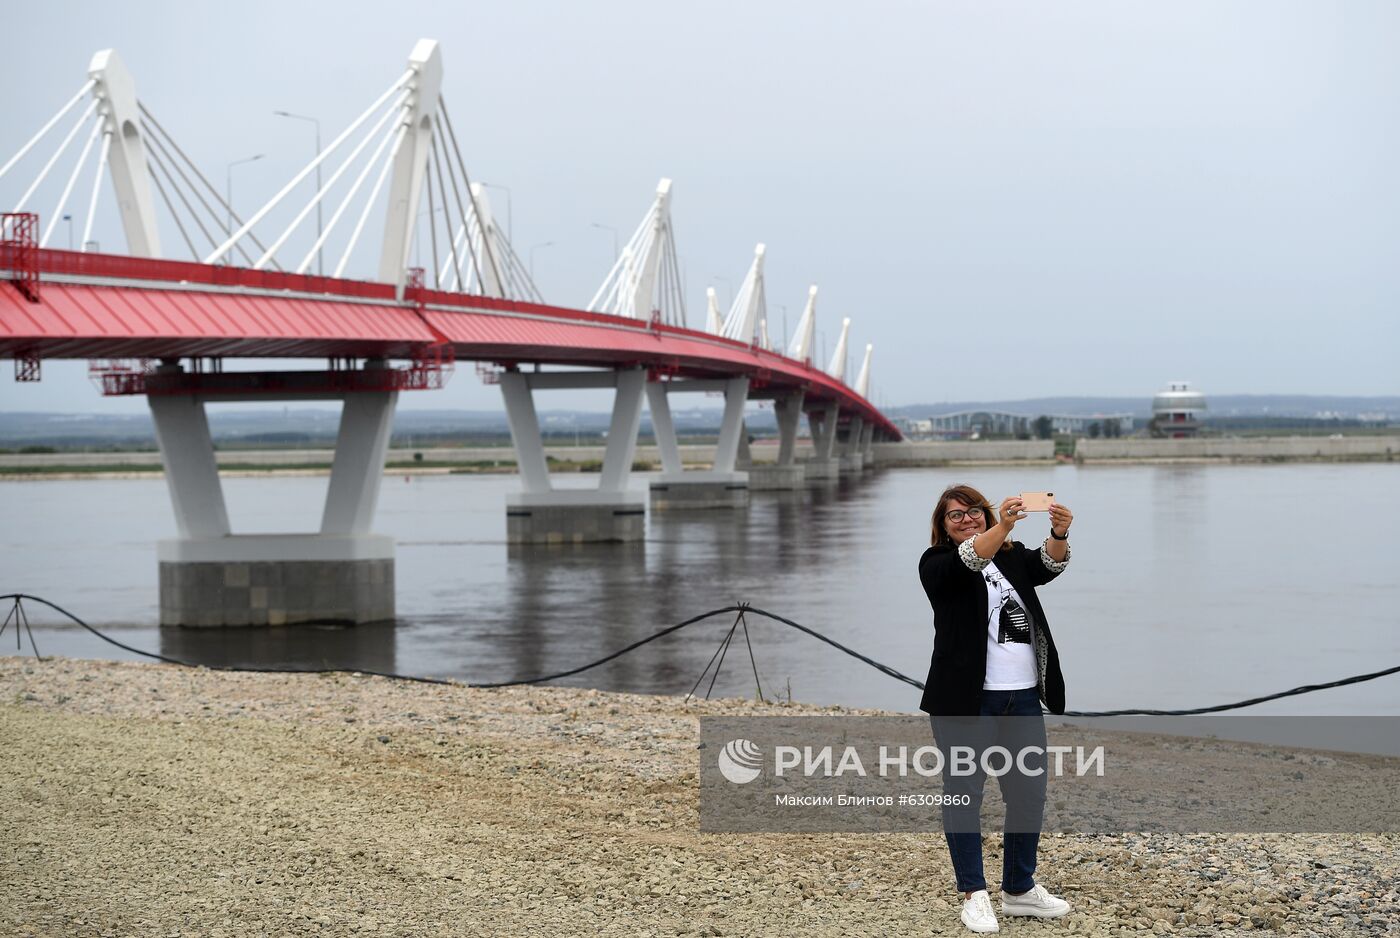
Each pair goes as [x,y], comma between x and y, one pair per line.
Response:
[720,653]
[17,614]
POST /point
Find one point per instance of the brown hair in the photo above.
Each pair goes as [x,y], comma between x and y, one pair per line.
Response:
[968,496]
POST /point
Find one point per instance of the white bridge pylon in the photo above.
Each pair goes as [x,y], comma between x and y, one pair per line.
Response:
[645,278]
[415,159]
[750,306]
[801,347]
[117,131]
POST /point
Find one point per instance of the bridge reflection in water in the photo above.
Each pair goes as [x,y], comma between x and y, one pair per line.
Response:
[559,607]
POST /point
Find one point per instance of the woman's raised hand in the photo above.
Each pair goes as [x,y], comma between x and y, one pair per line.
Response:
[1011,512]
[1060,519]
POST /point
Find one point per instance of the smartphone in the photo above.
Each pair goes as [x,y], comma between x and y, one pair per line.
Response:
[1036,501]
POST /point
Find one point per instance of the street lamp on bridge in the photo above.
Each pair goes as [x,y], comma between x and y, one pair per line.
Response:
[228,192]
[533,249]
[320,268]
[614,235]
[510,225]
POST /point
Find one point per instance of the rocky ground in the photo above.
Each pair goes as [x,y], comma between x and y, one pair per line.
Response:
[157,800]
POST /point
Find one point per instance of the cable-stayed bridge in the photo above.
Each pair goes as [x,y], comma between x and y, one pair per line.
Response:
[162,327]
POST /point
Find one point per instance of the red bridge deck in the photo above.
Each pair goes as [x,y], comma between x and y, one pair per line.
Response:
[105,306]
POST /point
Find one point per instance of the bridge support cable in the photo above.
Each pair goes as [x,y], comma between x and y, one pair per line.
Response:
[610,295]
[345,203]
[68,187]
[467,239]
[497,269]
[399,135]
[470,243]
[520,285]
[153,156]
[487,262]
[446,213]
[306,171]
[52,121]
[155,160]
[170,207]
[222,212]
[97,188]
[57,155]
[395,110]
[672,297]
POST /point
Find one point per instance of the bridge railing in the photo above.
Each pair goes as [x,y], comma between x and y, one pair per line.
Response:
[118,267]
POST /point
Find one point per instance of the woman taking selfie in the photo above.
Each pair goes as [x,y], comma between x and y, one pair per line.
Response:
[993,657]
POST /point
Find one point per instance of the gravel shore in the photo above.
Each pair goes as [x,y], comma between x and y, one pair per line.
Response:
[158,800]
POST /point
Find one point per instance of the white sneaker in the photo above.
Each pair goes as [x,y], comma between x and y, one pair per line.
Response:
[977,913]
[1037,902]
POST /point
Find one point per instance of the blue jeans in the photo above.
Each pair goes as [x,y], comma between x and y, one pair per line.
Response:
[1023,792]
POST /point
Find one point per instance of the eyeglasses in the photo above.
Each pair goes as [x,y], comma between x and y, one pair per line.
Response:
[957,514]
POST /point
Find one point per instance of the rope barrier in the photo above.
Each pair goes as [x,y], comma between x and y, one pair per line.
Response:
[741,608]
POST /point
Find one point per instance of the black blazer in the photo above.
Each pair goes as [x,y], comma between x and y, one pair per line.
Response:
[959,599]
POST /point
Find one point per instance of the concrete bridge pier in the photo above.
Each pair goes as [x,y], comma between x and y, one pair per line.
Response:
[824,468]
[852,461]
[722,486]
[210,576]
[542,514]
[787,474]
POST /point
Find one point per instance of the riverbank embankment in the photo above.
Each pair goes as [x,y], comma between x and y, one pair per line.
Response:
[1240,449]
[442,460]
[159,800]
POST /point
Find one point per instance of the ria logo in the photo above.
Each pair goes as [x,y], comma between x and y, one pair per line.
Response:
[740,761]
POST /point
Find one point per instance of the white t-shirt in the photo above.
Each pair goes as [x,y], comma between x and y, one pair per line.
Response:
[1010,655]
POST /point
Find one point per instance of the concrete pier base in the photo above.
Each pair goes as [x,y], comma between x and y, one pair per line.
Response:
[852,463]
[777,478]
[248,580]
[821,471]
[575,517]
[700,490]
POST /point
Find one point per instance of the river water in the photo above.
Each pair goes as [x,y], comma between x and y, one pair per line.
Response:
[1189,585]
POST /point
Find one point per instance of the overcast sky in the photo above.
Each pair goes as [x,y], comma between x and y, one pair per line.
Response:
[1008,199]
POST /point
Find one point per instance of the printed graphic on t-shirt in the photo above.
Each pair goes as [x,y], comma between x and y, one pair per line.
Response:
[1015,624]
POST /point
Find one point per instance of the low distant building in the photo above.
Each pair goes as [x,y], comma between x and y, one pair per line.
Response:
[1178,411]
[979,423]
[1080,424]
[970,423]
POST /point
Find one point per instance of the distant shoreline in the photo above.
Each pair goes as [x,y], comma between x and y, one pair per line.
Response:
[66,473]
[497,460]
